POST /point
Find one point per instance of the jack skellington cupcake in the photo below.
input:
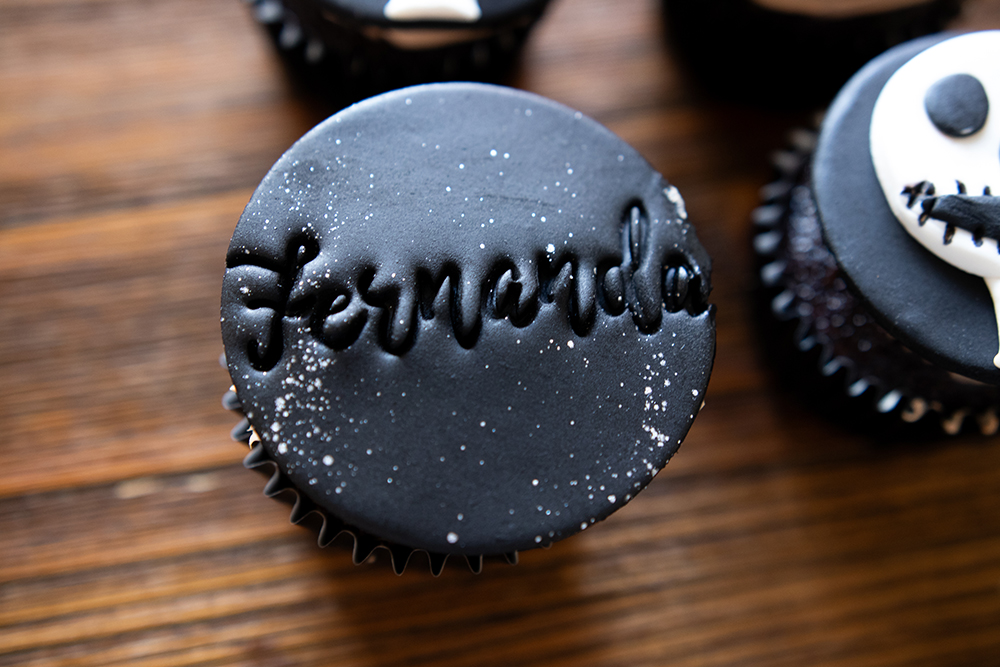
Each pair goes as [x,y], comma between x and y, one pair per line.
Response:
[349,49]
[464,320]
[879,246]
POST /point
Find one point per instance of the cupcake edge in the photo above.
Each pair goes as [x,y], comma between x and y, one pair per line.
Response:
[327,527]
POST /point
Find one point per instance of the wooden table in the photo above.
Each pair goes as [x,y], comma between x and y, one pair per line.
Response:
[131,136]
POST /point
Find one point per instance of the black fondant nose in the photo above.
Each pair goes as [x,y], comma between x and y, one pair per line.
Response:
[957,105]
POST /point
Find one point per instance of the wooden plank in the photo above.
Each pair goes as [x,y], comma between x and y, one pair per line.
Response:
[84,127]
[110,347]
[131,136]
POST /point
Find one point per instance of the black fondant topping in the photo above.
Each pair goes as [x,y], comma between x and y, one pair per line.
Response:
[957,105]
[467,319]
[918,192]
[954,325]
[979,215]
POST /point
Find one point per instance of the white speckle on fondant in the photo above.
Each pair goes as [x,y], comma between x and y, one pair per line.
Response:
[452,538]
[674,195]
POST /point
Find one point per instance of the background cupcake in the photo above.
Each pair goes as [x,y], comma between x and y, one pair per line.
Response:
[875,246]
[793,53]
[346,50]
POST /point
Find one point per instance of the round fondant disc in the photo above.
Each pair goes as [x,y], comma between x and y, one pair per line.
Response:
[467,319]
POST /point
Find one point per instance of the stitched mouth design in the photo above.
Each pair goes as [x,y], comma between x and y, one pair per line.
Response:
[977,214]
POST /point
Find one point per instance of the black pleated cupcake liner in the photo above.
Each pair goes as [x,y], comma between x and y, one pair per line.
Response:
[344,63]
[820,337]
[327,527]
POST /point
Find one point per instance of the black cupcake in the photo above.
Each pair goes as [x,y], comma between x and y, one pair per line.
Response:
[349,49]
[875,244]
[465,320]
[792,52]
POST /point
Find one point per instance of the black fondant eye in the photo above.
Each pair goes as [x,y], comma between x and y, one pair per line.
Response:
[957,105]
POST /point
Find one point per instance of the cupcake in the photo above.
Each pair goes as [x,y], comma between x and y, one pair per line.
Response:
[878,244]
[464,320]
[349,49]
[792,52]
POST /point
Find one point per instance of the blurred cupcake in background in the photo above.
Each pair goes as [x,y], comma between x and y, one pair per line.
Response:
[792,53]
[345,50]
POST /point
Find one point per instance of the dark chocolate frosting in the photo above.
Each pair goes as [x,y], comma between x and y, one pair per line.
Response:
[466,319]
[940,311]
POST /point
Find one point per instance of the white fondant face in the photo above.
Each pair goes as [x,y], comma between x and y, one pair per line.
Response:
[432,10]
[908,149]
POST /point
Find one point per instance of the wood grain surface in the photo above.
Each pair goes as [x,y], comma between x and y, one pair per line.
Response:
[131,135]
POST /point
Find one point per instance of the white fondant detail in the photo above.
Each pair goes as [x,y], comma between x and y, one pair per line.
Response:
[907,149]
[432,10]
[994,285]
[674,195]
